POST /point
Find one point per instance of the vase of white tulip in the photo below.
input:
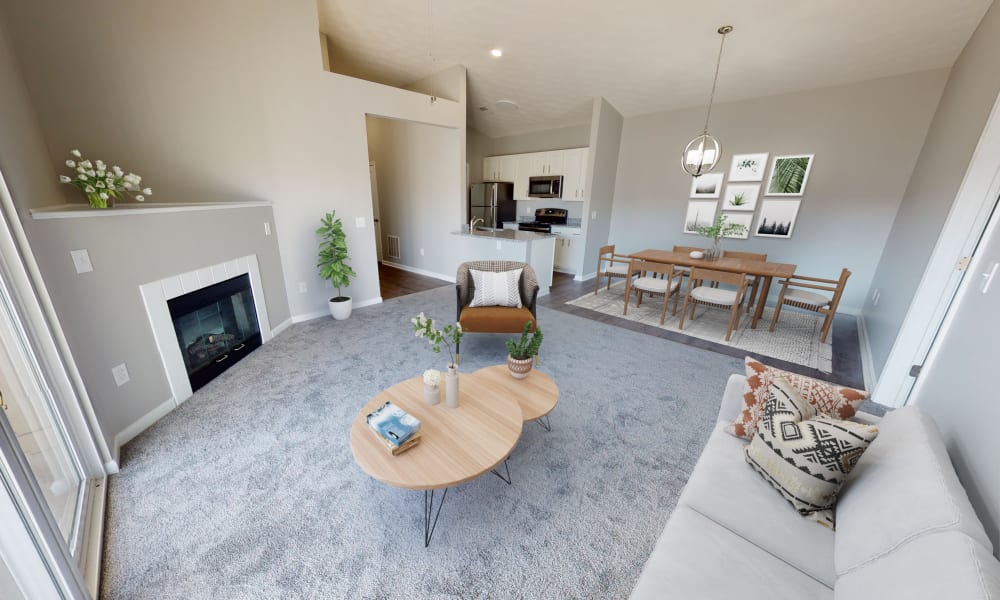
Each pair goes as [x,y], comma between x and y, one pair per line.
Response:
[101,184]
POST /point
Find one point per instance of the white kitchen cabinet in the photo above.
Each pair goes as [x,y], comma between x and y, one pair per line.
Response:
[500,168]
[547,163]
[569,249]
[522,170]
[574,174]
[491,168]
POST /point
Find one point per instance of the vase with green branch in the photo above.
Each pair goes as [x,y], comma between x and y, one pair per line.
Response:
[719,230]
[332,263]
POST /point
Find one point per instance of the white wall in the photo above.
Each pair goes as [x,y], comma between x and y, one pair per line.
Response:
[968,97]
[866,138]
[605,142]
[232,104]
[417,178]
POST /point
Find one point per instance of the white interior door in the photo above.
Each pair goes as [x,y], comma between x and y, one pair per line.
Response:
[376,218]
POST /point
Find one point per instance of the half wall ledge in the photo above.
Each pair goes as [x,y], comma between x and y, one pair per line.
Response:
[81,210]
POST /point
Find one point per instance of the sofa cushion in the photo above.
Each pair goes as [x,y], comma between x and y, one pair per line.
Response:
[697,558]
[726,490]
[495,319]
[935,566]
[903,487]
[805,456]
[496,288]
[834,400]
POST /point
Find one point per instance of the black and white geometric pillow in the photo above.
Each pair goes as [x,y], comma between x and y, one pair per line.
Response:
[496,289]
[803,454]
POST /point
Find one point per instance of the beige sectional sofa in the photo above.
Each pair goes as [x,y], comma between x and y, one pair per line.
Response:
[905,527]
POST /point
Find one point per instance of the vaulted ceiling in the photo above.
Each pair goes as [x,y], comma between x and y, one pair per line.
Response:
[643,56]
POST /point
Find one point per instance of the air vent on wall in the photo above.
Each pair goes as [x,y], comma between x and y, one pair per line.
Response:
[392,246]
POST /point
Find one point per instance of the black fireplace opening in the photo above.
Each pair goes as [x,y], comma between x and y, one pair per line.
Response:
[216,327]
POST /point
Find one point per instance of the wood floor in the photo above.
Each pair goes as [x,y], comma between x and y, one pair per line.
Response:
[847,368]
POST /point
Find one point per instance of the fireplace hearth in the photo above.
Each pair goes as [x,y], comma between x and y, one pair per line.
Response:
[216,327]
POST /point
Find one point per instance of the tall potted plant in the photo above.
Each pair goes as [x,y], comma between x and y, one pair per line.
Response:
[719,230]
[332,263]
[521,353]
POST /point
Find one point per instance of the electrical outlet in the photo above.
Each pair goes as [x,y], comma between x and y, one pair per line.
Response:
[267,228]
[81,260]
[421,252]
[527,210]
[499,247]
[593,215]
[359,222]
[120,374]
[303,288]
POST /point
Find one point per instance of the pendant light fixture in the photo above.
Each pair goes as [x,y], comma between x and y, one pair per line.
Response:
[703,152]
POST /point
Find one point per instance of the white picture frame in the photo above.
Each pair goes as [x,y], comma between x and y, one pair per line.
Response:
[775,185]
[740,218]
[747,195]
[700,213]
[748,167]
[777,218]
[707,185]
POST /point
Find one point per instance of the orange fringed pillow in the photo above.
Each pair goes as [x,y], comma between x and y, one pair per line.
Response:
[833,400]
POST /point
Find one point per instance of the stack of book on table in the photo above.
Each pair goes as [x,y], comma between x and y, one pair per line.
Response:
[394,427]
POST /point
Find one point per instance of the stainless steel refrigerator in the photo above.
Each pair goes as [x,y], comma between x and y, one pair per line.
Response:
[492,202]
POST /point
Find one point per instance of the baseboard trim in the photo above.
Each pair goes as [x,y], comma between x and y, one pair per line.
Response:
[867,362]
[586,277]
[369,302]
[449,279]
[141,424]
[281,327]
[326,313]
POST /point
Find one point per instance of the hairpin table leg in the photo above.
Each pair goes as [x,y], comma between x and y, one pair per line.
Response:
[507,468]
[544,422]
[428,509]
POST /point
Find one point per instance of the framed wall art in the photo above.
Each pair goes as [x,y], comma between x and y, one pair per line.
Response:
[708,185]
[744,219]
[700,213]
[777,218]
[748,167]
[741,197]
[789,175]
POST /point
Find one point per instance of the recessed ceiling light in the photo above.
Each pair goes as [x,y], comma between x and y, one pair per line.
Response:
[497,52]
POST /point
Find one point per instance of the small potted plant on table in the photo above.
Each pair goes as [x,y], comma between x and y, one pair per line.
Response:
[332,263]
[521,353]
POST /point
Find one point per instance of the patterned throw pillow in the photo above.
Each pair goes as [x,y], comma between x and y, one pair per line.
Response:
[496,289]
[806,456]
[833,400]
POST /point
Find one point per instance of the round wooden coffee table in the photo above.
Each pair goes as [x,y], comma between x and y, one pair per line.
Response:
[456,445]
[537,393]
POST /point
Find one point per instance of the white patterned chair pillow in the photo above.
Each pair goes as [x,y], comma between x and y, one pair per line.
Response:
[803,454]
[496,289]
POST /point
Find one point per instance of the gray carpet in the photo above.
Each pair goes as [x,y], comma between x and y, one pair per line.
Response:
[249,489]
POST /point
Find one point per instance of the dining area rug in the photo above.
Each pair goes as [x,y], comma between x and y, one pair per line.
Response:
[796,338]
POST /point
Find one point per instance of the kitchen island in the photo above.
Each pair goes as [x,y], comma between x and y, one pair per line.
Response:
[536,249]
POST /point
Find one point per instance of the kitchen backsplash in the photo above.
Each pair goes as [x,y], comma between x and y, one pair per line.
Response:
[526,208]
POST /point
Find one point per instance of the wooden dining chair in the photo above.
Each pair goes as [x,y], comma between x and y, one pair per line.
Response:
[715,297]
[617,266]
[647,282]
[825,304]
[754,280]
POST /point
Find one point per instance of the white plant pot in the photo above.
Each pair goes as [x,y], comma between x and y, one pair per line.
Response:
[341,309]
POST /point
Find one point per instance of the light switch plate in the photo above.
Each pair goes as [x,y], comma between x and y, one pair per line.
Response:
[267,228]
[121,374]
[593,215]
[359,222]
[81,260]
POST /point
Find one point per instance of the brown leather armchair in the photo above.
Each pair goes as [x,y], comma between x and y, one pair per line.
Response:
[495,319]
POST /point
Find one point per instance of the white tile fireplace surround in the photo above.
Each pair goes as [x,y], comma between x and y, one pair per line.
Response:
[156,293]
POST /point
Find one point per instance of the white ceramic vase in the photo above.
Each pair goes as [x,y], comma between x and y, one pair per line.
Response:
[432,394]
[451,387]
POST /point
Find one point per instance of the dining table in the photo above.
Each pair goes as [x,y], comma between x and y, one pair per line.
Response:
[763,269]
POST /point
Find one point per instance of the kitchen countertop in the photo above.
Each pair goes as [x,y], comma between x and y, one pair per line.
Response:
[514,235]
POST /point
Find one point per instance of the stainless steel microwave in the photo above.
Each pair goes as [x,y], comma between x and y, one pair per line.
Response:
[545,186]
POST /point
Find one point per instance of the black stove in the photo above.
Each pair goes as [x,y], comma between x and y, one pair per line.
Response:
[545,218]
